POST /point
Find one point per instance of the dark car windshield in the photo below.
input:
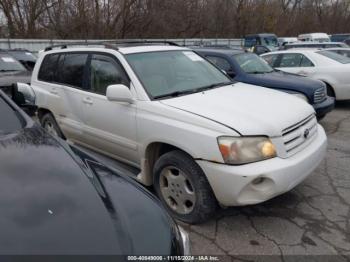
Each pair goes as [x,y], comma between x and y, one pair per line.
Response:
[10,121]
[23,56]
[8,63]
[270,41]
[252,64]
[173,73]
[334,56]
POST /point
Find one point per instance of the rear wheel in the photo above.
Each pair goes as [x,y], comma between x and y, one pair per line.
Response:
[49,123]
[183,188]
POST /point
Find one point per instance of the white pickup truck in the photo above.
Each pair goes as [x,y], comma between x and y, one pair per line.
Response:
[201,140]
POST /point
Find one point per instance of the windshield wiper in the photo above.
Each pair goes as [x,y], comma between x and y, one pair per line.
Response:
[192,91]
[260,72]
[174,94]
[8,70]
[200,89]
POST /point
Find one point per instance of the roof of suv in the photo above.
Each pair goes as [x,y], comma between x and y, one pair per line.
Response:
[124,48]
[149,48]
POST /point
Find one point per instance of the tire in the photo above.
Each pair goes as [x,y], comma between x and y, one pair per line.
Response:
[49,123]
[183,188]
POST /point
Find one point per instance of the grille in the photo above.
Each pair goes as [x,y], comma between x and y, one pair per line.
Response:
[296,136]
[320,95]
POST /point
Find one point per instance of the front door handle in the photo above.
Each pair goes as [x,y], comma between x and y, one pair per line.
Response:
[87,100]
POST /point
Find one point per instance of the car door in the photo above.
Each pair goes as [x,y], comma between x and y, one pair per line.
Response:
[48,88]
[295,63]
[109,126]
[71,74]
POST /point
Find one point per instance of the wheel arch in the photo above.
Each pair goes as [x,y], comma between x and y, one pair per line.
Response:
[329,85]
[43,111]
[153,151]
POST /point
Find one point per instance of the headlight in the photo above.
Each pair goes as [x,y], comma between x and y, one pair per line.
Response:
[301,96]
[243,150]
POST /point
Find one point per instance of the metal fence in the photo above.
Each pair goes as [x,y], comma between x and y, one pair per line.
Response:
[36,45]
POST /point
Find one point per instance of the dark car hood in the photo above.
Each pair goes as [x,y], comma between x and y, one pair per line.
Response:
[283,81]
[9,78]
[51,203]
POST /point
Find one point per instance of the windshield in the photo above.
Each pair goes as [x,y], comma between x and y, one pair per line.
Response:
[336,57]
[10,122]
[321,40]
[8,63]
[175,72]
[270,41]
[252,64]
[23,56]
[250,42]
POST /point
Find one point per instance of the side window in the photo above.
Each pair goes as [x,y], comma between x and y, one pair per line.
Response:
[72,69]
[105,71]
[48,68]
[270,59]
[291,60]
[220,62]
[250,42]
[305,62]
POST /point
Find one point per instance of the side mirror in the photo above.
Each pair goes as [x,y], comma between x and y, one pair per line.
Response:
[27,92]
[23,95]
[231,73]
[119,93]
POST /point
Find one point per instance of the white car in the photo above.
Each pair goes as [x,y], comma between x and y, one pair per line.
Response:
[314,37]
[329,67]
[198,138]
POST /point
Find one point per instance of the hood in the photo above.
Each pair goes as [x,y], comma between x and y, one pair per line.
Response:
[9,78]
[250,110]
[51,203]
[284,81]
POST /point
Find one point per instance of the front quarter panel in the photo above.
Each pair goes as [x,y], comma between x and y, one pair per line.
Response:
[193,134]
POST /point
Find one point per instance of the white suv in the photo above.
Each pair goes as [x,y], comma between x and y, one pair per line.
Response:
[198,138]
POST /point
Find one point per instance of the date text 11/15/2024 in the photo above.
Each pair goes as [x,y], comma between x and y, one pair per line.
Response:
[173,258]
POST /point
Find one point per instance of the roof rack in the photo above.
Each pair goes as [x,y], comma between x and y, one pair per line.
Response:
[111,44]
[66,45]
[143,42]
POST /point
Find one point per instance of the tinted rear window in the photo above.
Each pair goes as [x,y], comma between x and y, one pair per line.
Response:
[72,70]
[10,121]
[48,68]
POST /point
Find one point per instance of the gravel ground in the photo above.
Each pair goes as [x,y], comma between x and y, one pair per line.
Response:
[310,223]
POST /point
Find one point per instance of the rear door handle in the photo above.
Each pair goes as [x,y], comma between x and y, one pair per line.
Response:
[88,101]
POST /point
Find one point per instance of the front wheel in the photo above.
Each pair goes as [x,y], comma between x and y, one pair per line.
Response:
[183,188]
[49,123]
